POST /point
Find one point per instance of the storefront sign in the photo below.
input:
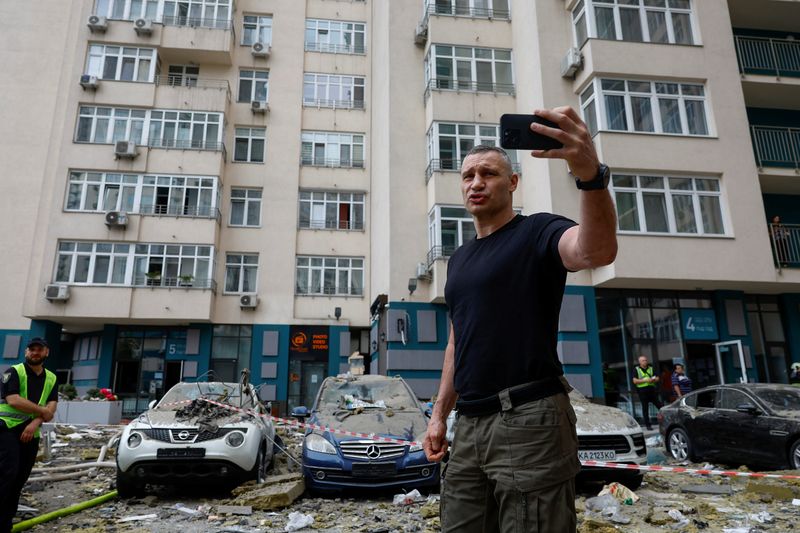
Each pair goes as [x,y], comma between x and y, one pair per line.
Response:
[699,324]
[309,340]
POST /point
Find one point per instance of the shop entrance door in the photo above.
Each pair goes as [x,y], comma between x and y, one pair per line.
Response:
[701,364]
[729,355]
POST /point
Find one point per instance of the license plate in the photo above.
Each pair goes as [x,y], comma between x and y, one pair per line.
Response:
[597,455]
[374,469]
[180,453]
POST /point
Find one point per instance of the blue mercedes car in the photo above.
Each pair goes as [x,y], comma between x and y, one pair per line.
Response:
[370,405]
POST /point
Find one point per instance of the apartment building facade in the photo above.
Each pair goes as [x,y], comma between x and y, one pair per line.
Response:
[202,186]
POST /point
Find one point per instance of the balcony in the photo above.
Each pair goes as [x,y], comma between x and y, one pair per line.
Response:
[333,104]
[183,282]
[201,40]
[454,9]
[203,211]
[768,57]
[785,240]
[776,146]
[183,92]
[331,163]
[459,86]
[440,252]
[454,165]
[331,224]
[331,48]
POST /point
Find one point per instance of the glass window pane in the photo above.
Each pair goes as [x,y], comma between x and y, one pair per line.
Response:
[81,269]
[64,265]
[627,213]
[683,208]
[712,215]
[615,113]
[590,116]
[631,24]
[642,114]
[240,150]
[254,214]
[604,18]
[657,25]
[118,273]
[257,151]
[682,28]
[101,264]
[232,278]
[696,117]
[655,212]
[580,30]
[670,115]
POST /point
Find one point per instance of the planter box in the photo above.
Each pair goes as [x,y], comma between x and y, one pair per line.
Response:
[103,412]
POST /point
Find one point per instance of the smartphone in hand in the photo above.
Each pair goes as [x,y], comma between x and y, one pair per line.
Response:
[516,134]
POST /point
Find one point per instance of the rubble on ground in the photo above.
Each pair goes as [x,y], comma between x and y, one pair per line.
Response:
[667,502]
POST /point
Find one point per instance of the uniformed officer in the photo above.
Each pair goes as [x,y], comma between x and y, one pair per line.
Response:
[28,399]
[645,382]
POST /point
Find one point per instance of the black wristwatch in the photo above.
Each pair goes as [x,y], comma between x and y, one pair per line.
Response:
[599,182]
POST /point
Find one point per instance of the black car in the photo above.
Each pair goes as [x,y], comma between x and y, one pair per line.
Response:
[752,424]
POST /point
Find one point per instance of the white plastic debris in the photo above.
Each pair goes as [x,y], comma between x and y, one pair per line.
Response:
[298,521]
[74,436]
[762,518]
[407,499]
[138,518]
[186,510]
[678,516]
[653,441]
[607,506]
[796,501]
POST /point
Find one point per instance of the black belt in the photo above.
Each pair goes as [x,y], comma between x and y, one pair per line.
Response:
[535,390]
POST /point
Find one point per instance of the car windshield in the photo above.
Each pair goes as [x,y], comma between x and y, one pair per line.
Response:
[780,399]
[229,393]
[378,394]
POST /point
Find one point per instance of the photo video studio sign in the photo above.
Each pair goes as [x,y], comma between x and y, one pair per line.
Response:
[699,325]
[312,340]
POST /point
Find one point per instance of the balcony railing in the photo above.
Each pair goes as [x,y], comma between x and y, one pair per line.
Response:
[454,165]
[776,147]
[178,80]
[185,282]
[188,144]
[451,9]
[786,244]
[331,224]
[331,163]
[329,291]
[440,252]
[774,57]
[202,211]
[335,48]
[447,84]
[199,22]
[335,104]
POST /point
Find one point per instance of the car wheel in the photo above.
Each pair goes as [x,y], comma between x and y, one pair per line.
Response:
[126,487]
[794,455]
[679,445]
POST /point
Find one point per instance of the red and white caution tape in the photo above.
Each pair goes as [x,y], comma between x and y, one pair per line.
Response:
[601,464]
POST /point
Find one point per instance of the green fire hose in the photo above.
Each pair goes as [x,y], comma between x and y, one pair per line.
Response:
[27,524]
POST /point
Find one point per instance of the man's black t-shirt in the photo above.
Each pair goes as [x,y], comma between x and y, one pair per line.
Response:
[10,385]
[504,293]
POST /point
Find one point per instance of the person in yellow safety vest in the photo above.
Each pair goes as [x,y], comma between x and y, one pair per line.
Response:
[646,381]
[28,399]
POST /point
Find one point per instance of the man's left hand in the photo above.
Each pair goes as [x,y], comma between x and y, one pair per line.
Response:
[30,430]
[578,150]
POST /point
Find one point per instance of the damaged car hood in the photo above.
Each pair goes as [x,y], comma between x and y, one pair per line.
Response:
[599,419]
[195,414]
[406,425]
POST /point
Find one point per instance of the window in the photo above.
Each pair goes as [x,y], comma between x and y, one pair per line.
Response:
[670,205]
[154,128]
[326,149]
[127,9]
[245,207]
[105,125]
[241,272]
[471,69]
[95,263]
[448,228]
[731,399]
[257,29]
[121,63]
[327,90]
[707,399]
[331,210]
[645,107]
[249,145]
[230,351]
[203,13]
[336,276]
[183,75]
[471,8]
[145,194]
[334,36]
[185,129]
[448,143]
[253,85]
[652,21]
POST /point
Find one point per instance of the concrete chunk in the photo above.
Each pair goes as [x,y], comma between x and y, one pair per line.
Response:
[243,510]
[277,492]
[708,488]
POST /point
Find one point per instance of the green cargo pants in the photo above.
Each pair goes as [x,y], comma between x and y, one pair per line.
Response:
[513,471]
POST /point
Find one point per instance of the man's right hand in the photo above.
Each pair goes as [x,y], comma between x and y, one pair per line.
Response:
[435,442]
[46,415]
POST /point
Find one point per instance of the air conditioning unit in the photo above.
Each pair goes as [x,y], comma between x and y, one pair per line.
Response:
[257,106]
[89,82]
[97,24]
[143,27]
[125,149]
[56,293]
[260,50]
[116,219]
[421,34]
[248,301]
[571,63]
[423,272]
